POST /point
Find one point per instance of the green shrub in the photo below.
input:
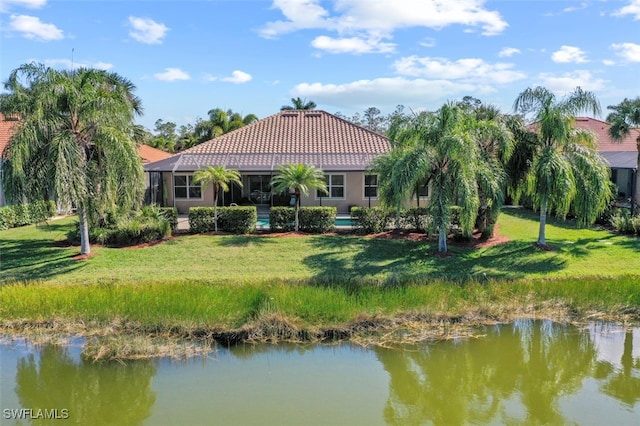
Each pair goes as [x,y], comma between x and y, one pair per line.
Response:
[171,214]
[238,220]
[26,214]
[281,219]
[317,220]
[624,223]
[417,219]
[370,220]
[23,214]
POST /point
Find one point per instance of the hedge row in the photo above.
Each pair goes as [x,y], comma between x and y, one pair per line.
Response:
[315,220]
[372,220]
[171,214]
[26,214]
[237,220]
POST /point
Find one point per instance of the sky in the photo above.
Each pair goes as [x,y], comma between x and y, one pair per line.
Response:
[252,56]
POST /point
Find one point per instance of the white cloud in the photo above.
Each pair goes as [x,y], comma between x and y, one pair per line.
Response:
[68,64]
[237,77]
[428,42]
[147,30]
[386,92]
[5,5]
[508,51]
[32,28]
[633,8]
[568,54]
[608,62]
[628,51]
[380,18]
[172,74]
[567,82]
[352,45]
[466,69]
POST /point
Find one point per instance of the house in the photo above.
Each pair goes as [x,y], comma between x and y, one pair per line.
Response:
[622,156]
[8,127]
[342,150]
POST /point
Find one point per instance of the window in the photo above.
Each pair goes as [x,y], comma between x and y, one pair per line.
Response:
[335,186]
[423,190]
[184,187]
[371,186]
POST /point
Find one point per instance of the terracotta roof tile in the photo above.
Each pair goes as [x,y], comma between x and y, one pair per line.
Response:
[150,154]
[310,137]
[605,143]
[7,127]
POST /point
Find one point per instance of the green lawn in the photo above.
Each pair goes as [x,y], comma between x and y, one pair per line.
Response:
[30,253]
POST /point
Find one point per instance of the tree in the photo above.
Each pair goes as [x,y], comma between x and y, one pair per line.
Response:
[567,171]
[298,103]
[220,177]
[221,122]
[438,148]
[301,178]
[626,115]
[75,142]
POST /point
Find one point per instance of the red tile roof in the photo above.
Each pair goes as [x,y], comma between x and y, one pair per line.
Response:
[311,137]
[7,127]
[605,143]
[150,154]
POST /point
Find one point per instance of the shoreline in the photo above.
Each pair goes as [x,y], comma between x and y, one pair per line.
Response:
[121,341]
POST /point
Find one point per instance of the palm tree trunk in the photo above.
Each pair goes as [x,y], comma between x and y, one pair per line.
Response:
[297,210]
[442,239]
[215,209]
[543,222]
[85,247]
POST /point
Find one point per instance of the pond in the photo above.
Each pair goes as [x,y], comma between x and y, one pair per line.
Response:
[528,372]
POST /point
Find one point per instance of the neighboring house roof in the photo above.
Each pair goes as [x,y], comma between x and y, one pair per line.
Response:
[150,154]
[310,137]
[620,155]
[7,127]
[605,143]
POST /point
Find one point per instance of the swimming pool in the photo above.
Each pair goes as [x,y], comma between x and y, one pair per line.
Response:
[263,222]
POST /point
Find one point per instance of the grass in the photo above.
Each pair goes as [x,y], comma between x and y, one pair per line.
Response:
[233,288]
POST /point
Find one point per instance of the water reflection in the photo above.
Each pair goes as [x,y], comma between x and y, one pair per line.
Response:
[529,372]
[93,393]
[516,374]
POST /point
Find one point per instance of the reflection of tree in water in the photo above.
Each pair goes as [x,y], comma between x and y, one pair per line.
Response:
[468,382]
[94,393]
[624,384]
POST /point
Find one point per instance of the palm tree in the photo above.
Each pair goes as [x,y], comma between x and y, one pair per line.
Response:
[301,178]
[438,148]
[220,177]
[221,122]
[297,103]
[566,171]
[75,142]
[626,115]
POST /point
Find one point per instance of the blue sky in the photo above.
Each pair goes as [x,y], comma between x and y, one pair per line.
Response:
[187,57]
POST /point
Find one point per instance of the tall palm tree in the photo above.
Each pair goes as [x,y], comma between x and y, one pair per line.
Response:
[298,103]
[625,116]
[439,148]
[301,178]
[219,177]
[221,122]
[75,141]
[567,170]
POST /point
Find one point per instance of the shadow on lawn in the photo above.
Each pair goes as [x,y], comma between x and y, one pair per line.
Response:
[28,260]
[398,261]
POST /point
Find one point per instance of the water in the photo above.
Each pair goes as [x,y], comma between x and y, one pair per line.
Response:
[524,373]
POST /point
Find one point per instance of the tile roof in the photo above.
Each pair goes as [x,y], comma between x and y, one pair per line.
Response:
[311,137]
[150,154]
[7,127]
[605,143]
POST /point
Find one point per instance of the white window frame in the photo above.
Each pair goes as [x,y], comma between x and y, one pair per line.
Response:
[330,185]
[189,177]
[365,186]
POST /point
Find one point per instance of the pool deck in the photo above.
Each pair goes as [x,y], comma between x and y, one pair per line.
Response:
[183,222]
